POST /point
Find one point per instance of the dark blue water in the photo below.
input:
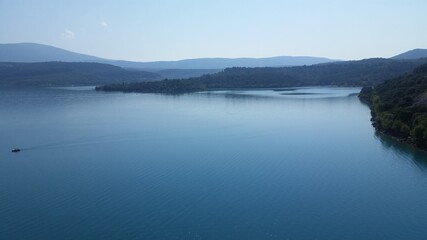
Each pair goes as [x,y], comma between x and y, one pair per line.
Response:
[284,164]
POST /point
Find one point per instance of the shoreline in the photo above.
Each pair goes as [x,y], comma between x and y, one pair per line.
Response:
[406,141]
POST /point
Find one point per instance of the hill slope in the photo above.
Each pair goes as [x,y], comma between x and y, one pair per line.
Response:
[413,54]
[32,52]
[67,74]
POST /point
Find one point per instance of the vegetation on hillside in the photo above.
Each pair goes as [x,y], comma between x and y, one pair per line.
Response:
[399,106]
[350,73]
[67,74]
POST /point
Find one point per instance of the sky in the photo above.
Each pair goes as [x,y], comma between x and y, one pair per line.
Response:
[151,30]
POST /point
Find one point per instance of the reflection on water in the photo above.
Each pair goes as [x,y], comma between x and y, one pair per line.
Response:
[290,93]
[405,151]
[329,94]
[81,88]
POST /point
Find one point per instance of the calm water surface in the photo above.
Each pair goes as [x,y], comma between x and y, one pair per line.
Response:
[285,164]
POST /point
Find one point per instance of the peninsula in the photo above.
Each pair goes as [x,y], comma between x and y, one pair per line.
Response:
[349,73]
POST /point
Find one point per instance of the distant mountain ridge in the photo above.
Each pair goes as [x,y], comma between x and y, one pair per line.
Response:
[412,54]
[30,64]
[33,52]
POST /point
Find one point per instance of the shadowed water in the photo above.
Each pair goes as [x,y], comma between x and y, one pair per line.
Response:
[300,163]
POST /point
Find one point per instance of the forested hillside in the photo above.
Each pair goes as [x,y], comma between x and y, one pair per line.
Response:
[399,106]
[67,74]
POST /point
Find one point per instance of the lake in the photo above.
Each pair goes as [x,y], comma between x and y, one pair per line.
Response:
[300,163]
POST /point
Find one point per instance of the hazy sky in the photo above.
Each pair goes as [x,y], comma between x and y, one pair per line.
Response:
[146,30]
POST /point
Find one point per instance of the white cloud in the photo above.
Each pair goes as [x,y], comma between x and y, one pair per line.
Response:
[104,24]
[68,34]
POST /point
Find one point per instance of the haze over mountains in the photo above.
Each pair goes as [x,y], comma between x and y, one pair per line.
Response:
[32,52]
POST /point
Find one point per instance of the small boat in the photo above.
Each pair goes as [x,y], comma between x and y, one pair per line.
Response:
[15,150]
